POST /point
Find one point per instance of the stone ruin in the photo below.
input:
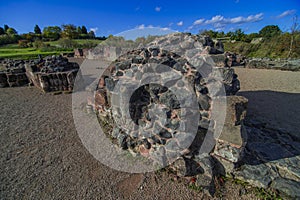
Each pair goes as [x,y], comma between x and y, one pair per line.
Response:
[277,64]
[157,121]
[53,73]
[14,73]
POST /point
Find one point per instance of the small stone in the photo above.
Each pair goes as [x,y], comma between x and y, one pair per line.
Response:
[204,102]
[110,84]
[165,134]
[122,141]
[147,144]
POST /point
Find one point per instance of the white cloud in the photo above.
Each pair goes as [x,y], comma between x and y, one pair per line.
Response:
[165,29]
[286,13]
[250,18]
[199,21]
[94,29]
[180,23]
[215,20]
[142,26]
[157,9]
[220,22]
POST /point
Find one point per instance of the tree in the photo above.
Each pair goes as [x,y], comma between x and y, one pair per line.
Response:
[83,30]
[11,31]
[6,27]
[79,30]
[28,36]
[2,32]
[270,31]
[52,32]
[238,35]
[210,33]
[294,30]
[37,30]
[91,34]
[69,31]
[220,34]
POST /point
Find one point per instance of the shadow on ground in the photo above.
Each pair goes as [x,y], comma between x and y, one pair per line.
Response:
[272,126]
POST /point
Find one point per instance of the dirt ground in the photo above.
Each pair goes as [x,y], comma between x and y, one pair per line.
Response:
[42,156]
[273,96]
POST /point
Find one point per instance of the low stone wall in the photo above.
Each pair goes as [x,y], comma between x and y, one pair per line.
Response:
[278,64]
[81,53]
[59,81]
[53,73]
[14,73]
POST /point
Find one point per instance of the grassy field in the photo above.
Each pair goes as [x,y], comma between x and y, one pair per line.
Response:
[78,41]
[13,51]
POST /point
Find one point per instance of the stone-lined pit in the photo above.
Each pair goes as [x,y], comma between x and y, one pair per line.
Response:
[146,96]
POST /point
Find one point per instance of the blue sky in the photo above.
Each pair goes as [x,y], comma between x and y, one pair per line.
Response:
[113,17]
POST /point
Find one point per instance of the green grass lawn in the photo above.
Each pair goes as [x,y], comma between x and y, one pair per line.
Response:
[13,51]
[78,41]
[25,53]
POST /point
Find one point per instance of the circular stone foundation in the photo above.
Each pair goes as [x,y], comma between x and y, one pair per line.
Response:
[158,101]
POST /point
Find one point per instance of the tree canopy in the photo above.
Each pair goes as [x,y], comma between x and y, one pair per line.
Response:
[52,32]
[37,30]
[270,31]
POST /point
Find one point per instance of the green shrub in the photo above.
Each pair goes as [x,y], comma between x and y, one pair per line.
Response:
[38,44]
[67,43]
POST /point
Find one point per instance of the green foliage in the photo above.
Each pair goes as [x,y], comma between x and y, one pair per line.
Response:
[210,33]
[11,31]
[2,32]
[52,32]
[37,29]
[6,27]
[193,186]
[91,34]
[270,31]
[266,194]
[275,47]
[23,43]
[83,30]
[8,39]
[238,35]
[13,51]
[252,36]
[69,31]
[79,30]
[38,44]
[67,43]
[31,37]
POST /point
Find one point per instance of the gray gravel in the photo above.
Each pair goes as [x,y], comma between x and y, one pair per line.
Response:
[42,156]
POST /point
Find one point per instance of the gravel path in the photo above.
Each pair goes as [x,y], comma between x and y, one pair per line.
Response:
[274,97]
[42,156]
